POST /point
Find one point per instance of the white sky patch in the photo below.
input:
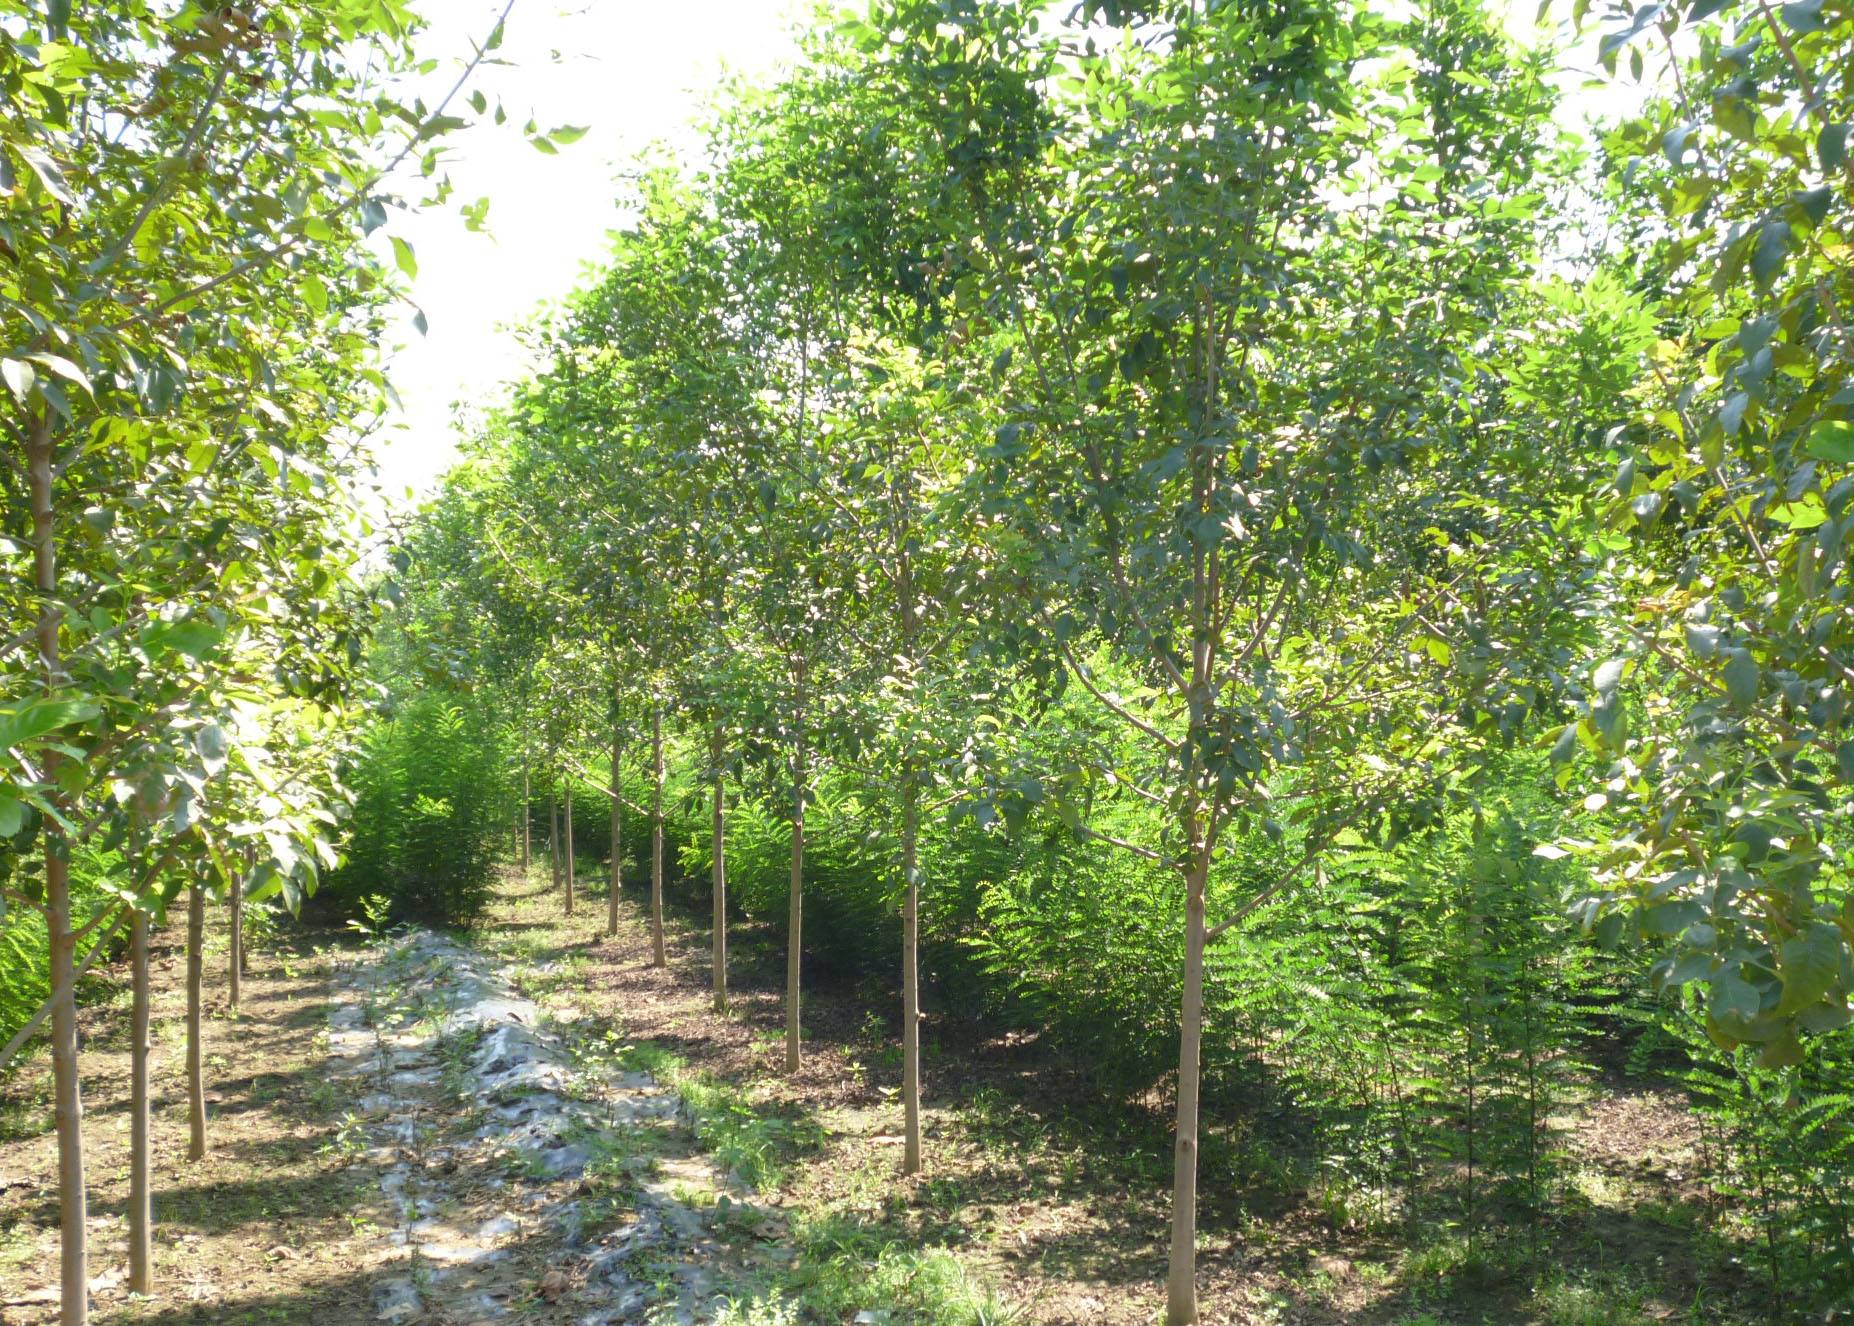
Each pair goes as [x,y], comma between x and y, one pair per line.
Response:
[636,72]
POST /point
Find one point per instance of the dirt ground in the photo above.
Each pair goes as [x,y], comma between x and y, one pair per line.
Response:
[1060,1205]
[1063,1206]
[261,1230]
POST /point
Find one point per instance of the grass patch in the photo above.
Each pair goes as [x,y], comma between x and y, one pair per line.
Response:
[845,1267]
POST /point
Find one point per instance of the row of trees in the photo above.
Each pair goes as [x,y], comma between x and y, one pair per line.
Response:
[192,301]
[1198,359]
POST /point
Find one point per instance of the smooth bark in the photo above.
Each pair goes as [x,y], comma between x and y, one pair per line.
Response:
[911,979]
[196,1075]
[618,828]
[237,964]
[1181,1283]
[67,1097]
[795,907]
[526,816]
[719,874]
[566,849]
[141,1205]
[553,840]
[658,954]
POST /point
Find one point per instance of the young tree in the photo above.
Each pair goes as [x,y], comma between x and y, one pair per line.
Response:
[185,211]
[1230,470]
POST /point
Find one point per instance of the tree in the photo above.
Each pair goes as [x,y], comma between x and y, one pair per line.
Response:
[179,337]
[1714,717]
[1231,478]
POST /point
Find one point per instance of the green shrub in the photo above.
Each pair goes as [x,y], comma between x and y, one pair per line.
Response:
[430,791]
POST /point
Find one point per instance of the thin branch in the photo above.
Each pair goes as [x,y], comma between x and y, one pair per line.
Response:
[37,1020]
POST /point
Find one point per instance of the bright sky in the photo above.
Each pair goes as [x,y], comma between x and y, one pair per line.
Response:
[637,72]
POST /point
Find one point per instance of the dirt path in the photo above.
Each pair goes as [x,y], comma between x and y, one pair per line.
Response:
[399,1136]
[515,1168]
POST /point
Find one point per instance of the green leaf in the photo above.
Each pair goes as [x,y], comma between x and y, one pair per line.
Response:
[1813,961]
[1805,17]
[194,639]
[65,369]
[314,293]
[34,719]
[404,257]
[12,816]
[1831,146]
[1773,245]
[569,133]
[1733,998]
[19,377]
[1741,678]
[1703,640]
[1832,439]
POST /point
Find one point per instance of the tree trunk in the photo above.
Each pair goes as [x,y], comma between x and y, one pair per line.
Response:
[525,818]
[67,1098]
[141,1207]
[566,848]
[910,977]
[1181,1286]
[720,869]
[795,910]
[237,964]
[553,839]
[618,828]
[659,957]
[196,1078]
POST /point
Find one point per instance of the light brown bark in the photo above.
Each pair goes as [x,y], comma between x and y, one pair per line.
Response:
[141,1206]
[1181,1283]
[566,848]
[719,873]
[658,954]
[553,840]
[237,965]
[525,816]
[196,1071]
[67,1096]
[795,906]
[910,981]
[618,828]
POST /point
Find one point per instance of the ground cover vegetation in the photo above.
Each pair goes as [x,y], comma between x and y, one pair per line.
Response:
[1218,558]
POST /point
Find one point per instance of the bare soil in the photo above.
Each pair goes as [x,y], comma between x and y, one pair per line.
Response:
[1056,1199]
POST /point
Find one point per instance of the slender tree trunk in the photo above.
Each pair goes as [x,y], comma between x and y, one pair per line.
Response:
[659,957]
[67,1099]
[795,909]
[526,804]
[141,1206]
[611,907]
[196,1077]
[1181,1286]
[566,848]
[911,977]
[553,839]
[719,845]
[236,969]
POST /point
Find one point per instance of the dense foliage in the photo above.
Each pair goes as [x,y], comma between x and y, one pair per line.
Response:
[1124,500]
[1221,536]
